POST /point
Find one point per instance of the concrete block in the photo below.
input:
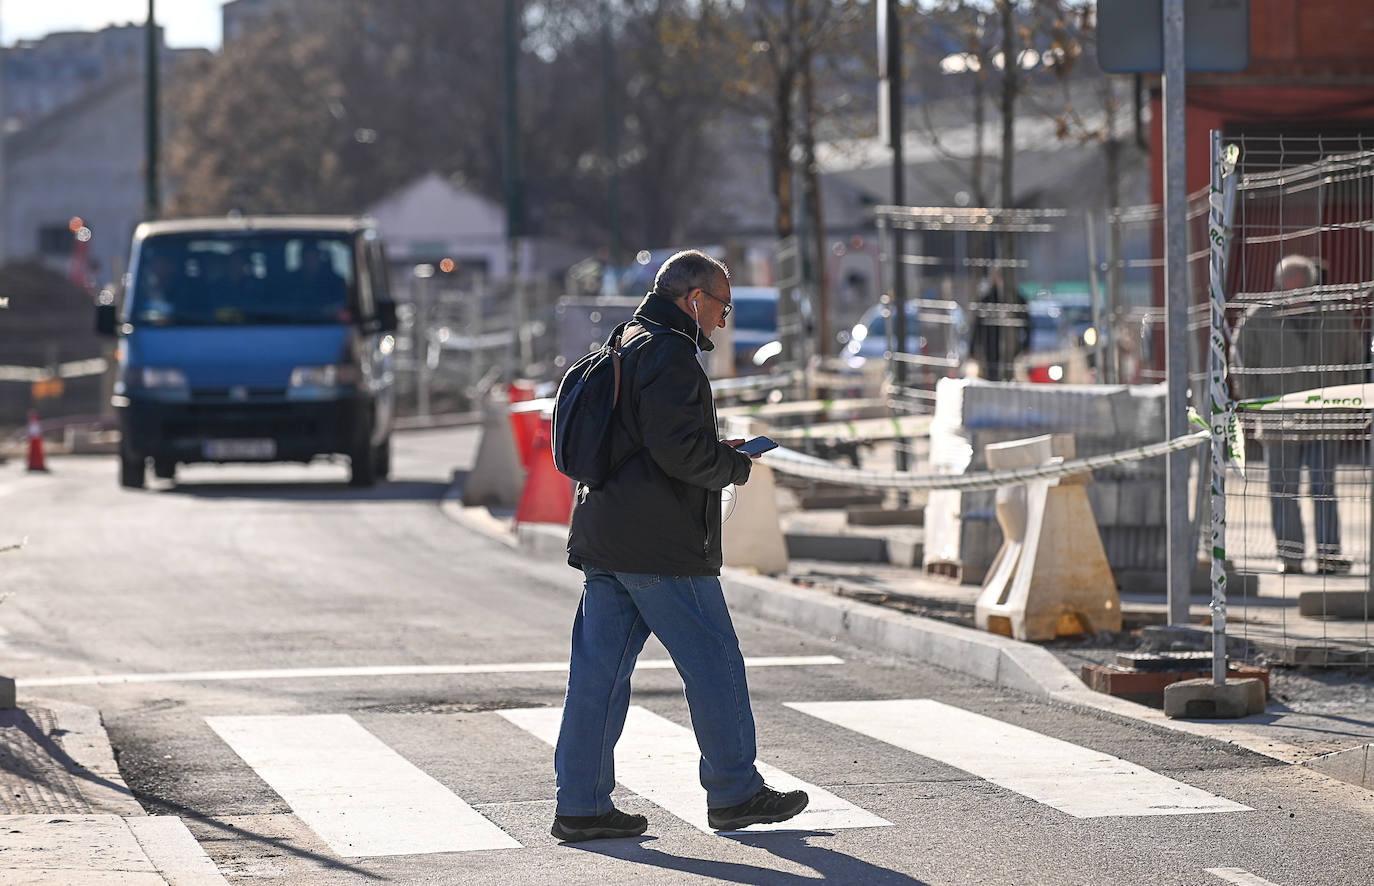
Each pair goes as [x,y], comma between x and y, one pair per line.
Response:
[1105,499]
[497,477]
[1171,638]
[1147,686]
[1138,411]
[1137,555]
[908,552]
[1141,504]
[754,537]
[838,497]
[1336,604]
[843,548]
[543,539]
[1202,699]
[971,415]
[8,700]
[879,516]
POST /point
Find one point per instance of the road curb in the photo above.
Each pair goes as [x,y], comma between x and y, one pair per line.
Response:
[117,822]
[1002,661]
[83,738]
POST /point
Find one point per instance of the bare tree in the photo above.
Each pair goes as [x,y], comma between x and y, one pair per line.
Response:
[343,101]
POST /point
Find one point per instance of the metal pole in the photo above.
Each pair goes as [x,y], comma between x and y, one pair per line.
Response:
[895,233]
[152,196]
[1095,293]
[513,207]
[1176,308]
[1221,202]
[419,335]
[1114,310]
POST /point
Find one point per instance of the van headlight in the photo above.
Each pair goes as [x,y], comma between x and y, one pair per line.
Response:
[161,377]
[328,376]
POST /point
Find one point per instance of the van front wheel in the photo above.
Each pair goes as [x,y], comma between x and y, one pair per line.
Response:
[362,466]
[132,468]
[382,457]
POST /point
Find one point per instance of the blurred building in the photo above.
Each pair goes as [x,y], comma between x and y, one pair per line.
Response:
[85,161]
[432,219]
[241,17]
[1311,74]
[43,75]
[74,146]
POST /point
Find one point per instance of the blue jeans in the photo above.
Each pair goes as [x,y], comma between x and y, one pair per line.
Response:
[688,615]
[1286,463]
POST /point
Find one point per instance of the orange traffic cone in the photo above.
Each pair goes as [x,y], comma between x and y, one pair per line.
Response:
[36,462]
[548,495]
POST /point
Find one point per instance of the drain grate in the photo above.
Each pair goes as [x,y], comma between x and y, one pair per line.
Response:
[34,779]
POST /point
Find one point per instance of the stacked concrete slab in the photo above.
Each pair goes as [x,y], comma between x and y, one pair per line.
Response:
[962,535]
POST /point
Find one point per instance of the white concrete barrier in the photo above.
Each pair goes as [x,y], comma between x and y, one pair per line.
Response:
[497,476]
[1051,577]
[752,537]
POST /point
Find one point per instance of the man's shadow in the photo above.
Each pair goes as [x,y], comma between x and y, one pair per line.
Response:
[833,866]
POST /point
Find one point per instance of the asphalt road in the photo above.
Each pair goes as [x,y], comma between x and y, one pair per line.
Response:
[251,575]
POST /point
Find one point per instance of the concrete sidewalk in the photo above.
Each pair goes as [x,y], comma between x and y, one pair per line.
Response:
[1339,746]
[66,816]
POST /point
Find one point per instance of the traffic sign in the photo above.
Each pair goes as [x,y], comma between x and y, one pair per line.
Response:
[1130,35]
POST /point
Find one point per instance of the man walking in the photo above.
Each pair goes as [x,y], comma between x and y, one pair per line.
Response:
[1297,341]
[648,543]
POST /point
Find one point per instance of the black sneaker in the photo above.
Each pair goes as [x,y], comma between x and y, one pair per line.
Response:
[576,828]
[1334,564]
[765,807]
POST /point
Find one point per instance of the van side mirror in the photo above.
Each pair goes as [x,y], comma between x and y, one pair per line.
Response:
[105,319]
[386,315]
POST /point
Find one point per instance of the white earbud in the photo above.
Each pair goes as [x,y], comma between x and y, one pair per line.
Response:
[698,319]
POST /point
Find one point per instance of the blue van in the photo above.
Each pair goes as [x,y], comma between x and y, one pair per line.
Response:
[254,340]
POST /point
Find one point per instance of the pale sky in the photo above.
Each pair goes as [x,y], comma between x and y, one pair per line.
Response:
[185,22]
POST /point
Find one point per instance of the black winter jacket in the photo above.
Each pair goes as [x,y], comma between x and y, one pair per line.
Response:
[659,512]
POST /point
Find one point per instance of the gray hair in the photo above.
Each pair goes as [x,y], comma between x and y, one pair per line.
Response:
[688,270]
[1310,268]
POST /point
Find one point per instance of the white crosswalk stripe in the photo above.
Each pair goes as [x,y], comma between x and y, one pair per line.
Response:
[364,799]
[1239,876]
[1074,779]
[657,759]
[359,795]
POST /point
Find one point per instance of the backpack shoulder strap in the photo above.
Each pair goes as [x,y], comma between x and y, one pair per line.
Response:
[623,350]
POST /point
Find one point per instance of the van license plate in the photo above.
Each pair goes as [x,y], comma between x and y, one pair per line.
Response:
[241,450]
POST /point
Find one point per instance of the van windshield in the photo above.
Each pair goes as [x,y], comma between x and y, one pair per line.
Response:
[756,313]
[215,279]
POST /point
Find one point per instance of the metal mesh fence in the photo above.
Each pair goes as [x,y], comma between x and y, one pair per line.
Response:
[1299,511]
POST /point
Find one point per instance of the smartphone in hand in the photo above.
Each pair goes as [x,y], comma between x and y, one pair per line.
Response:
[757,446]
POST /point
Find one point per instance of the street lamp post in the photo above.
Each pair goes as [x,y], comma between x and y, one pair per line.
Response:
[152,196]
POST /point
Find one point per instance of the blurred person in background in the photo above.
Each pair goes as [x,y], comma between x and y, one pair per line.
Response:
[1298,334]
[1001,329]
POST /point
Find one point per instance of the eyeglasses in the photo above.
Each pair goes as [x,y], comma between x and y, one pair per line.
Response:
[728,307]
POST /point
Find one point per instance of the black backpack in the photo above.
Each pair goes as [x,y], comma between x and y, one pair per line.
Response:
[584,408]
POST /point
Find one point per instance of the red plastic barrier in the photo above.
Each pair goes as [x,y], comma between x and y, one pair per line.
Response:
[548,495]
[523,424]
